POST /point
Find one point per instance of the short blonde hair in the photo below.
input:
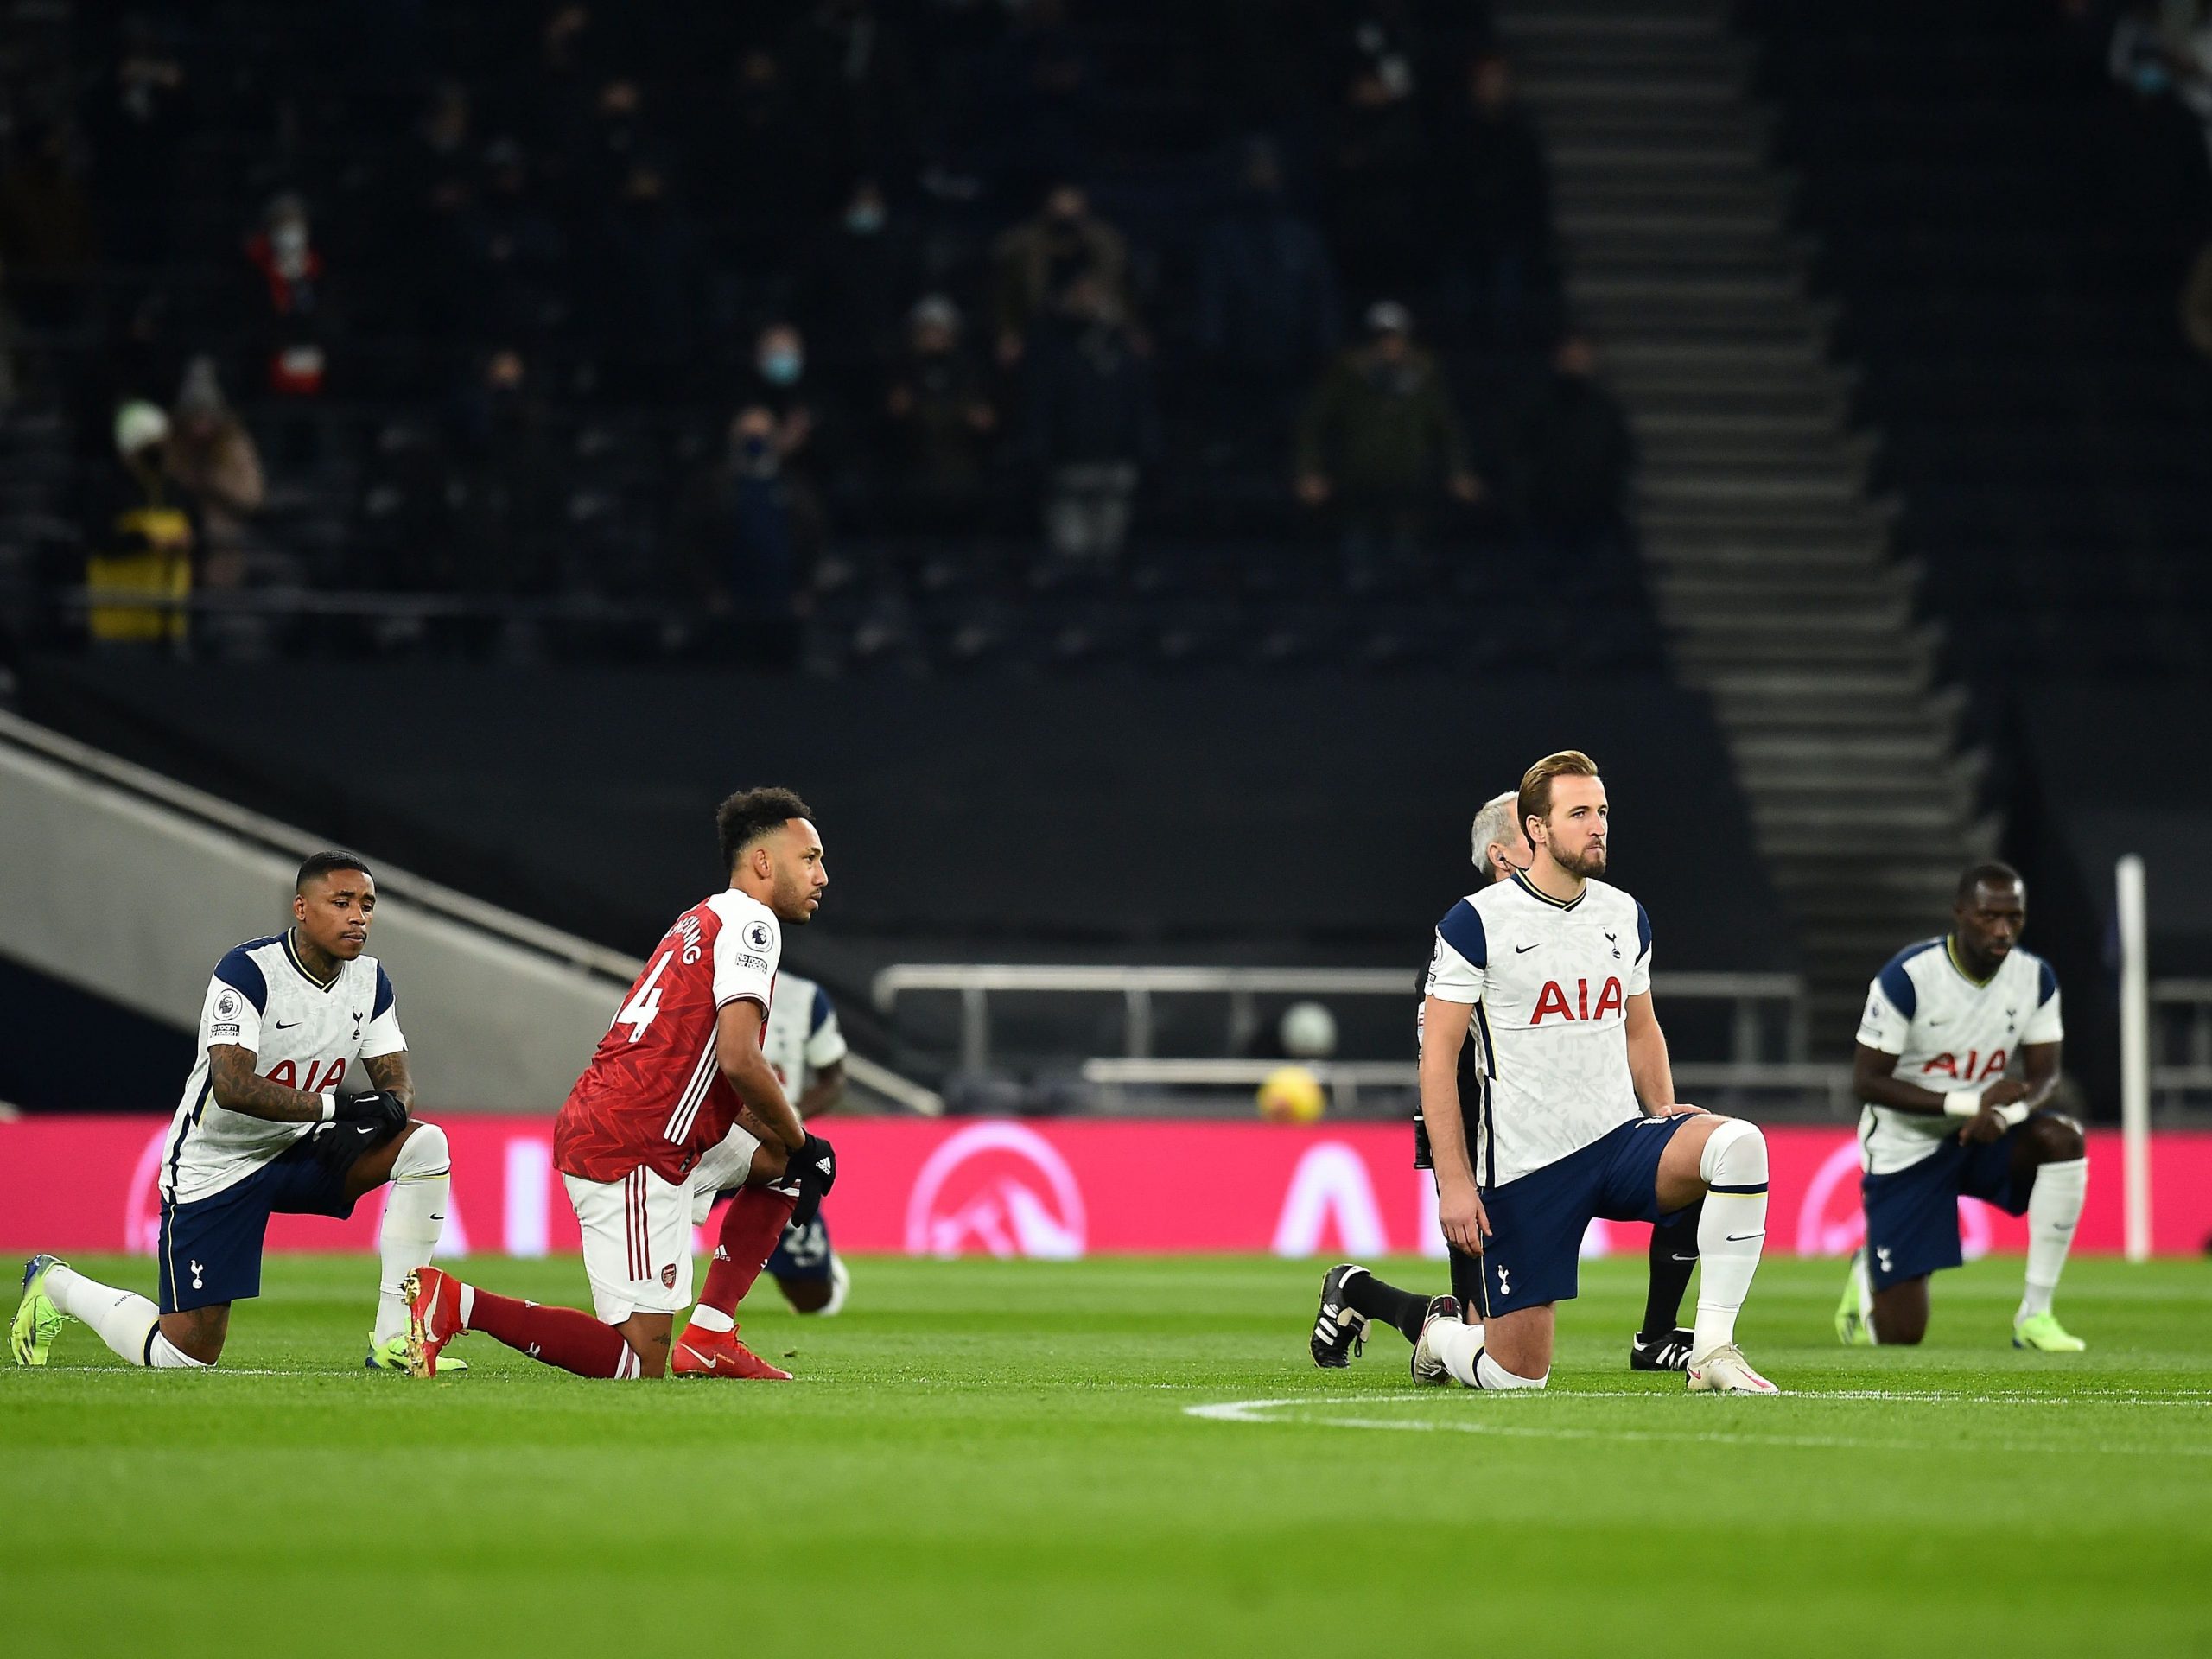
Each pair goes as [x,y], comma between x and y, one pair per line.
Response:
[1493,823]
[1536,782]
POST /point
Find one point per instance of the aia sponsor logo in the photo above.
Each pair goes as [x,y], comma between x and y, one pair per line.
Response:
[1553,1000]
[996,1189]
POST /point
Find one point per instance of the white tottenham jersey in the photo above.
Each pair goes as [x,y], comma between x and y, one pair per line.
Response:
[1948,1031]
[302,1032]
[1550,984]
[802,1038]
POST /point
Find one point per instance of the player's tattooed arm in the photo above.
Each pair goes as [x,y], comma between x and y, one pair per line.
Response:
[388,1073]
[238,1088]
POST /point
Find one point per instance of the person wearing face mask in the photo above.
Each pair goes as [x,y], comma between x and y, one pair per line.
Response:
[805,430]
[1380,441]
[861,273]
[941,422]
[283,255]
[739,545]
[1040,257]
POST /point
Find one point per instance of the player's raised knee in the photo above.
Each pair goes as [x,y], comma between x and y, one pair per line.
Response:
[2056,1139]
[425,1152]
[1734,1157]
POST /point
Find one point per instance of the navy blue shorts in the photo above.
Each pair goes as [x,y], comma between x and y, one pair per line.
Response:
[211,1248]
[803,1254]
[1533,1253]
[1912,1217]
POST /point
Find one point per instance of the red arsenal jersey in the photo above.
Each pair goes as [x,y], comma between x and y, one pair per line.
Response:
[652,1094]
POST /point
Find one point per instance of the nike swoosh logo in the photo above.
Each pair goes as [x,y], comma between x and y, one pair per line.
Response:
[711,1365]
[1739,1238]
[286,1024]
[437,1217]
[1523,950]
[1685,1258]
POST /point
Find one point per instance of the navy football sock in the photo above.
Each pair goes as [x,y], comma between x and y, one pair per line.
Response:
[1386,1302]
[1673,1257]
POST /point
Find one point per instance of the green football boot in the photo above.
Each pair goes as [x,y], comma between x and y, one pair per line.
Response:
[37,1320]
[2044,1334]
[1851,1328]
[392,1356]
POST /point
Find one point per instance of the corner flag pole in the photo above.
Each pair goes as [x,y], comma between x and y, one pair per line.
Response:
[2134,1057]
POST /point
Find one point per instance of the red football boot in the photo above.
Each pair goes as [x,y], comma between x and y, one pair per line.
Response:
[719,1353]
[433,1317]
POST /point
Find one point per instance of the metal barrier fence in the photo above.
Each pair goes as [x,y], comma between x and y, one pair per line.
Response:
[975,982]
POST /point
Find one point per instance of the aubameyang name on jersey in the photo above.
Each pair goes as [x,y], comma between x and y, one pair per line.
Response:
[1973,1069]
[688,925]
[1553,1000]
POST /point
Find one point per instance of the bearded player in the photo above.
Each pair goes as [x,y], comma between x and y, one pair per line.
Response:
[1944,1021]
[668,1080]
[300,1103]
[1351,1296]
[1576,1117]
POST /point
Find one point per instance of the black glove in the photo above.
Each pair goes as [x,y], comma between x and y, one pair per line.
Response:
[812,1170]
[372,1118]
[815,1164]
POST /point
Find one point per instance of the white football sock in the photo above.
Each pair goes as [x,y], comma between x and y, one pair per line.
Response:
[1489,1374]
[1862,1277]
[123,1318]
[1457,1345]
[2054,1206]
[1731,1233]
[414,1214]
[712,1318]
[165,1356]
[1460,1348]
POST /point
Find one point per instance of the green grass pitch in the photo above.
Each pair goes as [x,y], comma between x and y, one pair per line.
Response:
[1000,1458]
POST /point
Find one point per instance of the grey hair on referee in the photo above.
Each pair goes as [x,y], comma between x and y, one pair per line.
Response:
[1494,823]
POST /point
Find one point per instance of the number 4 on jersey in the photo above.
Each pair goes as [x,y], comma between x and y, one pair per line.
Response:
[643,1008]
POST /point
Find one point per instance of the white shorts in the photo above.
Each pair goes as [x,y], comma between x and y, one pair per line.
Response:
[636,1244]
[722,1166]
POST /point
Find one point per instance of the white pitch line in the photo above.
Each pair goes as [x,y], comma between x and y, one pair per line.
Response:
[1263,1411]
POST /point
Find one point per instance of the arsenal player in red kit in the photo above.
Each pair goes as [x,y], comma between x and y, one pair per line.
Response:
[679,1066]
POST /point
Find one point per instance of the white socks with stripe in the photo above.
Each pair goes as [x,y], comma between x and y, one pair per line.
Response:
[414,1215]
[1460,1348]
[1731,1233]
[2054,1206]
[126,1321]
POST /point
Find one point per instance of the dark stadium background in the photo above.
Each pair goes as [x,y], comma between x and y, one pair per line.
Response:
[1826,446]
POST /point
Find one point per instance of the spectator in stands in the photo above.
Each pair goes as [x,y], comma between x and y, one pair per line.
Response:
[1493,201]
[211,457]
[806,431]
[289,272]
[1091,424]
[45,223]
[1043,257]
[941,421]
[514,271]
[140,545]
[741,549]
[137,117]
[1573,455]
[1267,301]
[863,273]
[646,285]
[1379,440]
[507,487]
[1376,161]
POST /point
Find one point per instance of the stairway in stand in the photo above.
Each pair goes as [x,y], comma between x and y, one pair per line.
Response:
[1768,563]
